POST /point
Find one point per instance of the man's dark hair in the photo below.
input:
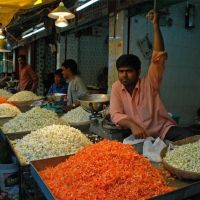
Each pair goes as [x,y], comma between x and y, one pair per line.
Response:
[23,57]
[129,60]
[70,63]
[58,72]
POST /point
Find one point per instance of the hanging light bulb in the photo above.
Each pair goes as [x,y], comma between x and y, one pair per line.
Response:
[61,22]
[2,36]
[61,11]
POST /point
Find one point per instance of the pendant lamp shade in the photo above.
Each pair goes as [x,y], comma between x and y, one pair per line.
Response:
[61,11]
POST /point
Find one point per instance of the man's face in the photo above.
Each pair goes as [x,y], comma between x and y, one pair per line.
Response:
[21,61]
[65,72]
[128,76]
[57,79]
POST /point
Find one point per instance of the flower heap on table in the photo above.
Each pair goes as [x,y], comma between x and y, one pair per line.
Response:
[24,96]
[8,110]
[185,157]
[32,120]
[105,170]
[77,115]
[5,94]
[51,141]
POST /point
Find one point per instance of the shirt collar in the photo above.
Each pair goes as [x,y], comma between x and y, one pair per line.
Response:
[58,86]
[136,87]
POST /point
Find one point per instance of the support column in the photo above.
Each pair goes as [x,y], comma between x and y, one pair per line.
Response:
[118,33]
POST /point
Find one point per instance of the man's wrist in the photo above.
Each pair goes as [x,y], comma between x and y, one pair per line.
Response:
[156,24]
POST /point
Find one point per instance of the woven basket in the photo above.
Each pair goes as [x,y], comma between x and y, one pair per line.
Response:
[181,174]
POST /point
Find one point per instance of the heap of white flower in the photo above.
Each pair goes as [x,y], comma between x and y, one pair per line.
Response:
[32,120]
[5,94]
[77,115]
[24,96]
[8,110]
[51,141]
[185,157]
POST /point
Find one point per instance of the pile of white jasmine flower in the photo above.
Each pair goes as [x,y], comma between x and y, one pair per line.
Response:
[185,157]
[77,115]
[8,110]
[5,93]
[24,96]
[32,120]
[51,141]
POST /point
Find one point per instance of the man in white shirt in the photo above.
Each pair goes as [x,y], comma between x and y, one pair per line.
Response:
[76,88]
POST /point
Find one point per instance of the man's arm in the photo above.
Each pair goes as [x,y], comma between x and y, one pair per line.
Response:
[80,88]
[158,44]
[34,79]
[156,68]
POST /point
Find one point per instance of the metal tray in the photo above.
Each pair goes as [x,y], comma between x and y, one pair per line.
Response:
[2,135]
[10,138]
[15,133]
[5,119]
[184,189]
[39,165]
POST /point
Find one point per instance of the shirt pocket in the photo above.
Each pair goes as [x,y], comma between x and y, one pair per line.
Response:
[144,113]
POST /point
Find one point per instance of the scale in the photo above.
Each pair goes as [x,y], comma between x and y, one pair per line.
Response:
[101,124]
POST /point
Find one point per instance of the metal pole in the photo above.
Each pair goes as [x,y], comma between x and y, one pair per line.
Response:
[154,6]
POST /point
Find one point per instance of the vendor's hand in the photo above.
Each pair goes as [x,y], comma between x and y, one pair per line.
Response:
[138,132]
[153,16]
[70,107]
[67,108]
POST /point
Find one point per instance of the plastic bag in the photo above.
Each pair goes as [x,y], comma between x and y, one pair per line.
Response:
[152,150]
[132,140]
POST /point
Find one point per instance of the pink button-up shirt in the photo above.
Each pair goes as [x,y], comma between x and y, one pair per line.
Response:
[144,107]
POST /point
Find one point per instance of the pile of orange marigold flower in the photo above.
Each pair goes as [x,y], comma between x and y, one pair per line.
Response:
[107,170]
[4,100]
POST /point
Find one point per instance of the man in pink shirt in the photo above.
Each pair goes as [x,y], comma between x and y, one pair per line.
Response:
[135,102]
[27,77]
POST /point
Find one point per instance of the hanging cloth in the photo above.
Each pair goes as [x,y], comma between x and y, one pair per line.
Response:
[8,8]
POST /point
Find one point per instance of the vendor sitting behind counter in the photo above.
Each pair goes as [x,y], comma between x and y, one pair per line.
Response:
[76,88]
[59,85]
[135,102]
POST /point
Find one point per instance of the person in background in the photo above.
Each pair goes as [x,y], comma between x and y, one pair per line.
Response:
[2,75]
[135,102]
[48,80]
[27,77]
[13,76]
[4,79]
[59,85]
[12,85]
[103,80]
[76,88]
